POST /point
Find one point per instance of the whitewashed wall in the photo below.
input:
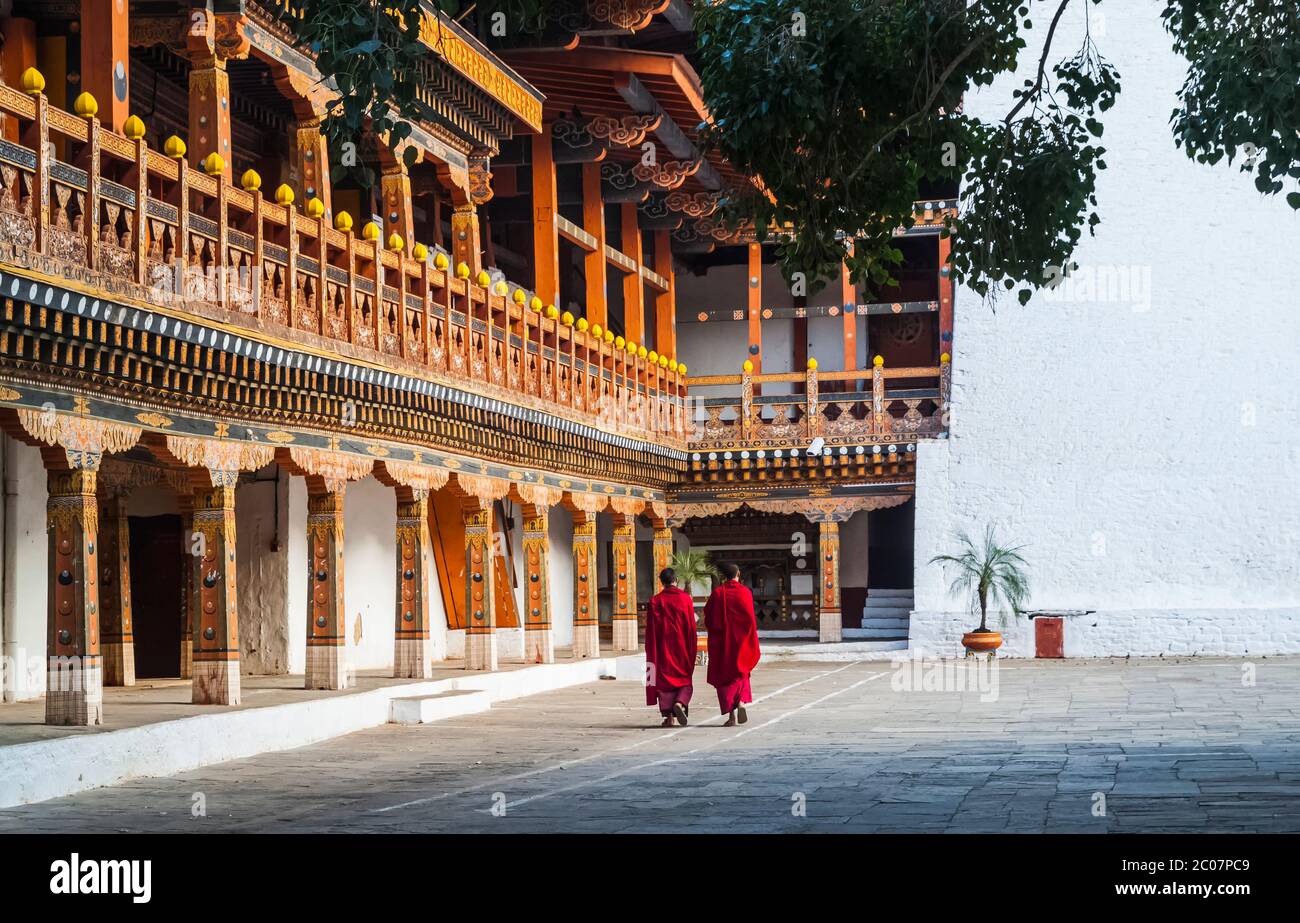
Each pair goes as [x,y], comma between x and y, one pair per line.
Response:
[369,569]
[1142,444]
[25,568]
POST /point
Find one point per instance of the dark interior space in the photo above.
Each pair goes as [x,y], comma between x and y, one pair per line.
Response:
[156,551]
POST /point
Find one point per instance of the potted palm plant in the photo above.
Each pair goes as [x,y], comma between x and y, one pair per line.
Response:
[692,567]
[987,572]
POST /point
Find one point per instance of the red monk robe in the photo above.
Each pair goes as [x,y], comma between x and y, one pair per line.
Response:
[670,647]
[733,643]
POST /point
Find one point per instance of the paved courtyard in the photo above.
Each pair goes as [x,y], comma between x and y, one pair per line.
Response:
[1069,746]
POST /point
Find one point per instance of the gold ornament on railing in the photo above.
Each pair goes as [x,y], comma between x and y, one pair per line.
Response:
[631,347]
[343,222]
[370,231]
[945,358]
[85,106]
[395,242]
[462,270]
[681,367]
[672,365]
[652,357]
[748,367]
[878,362]
[567,319]
[133,128]
[32,81]
[552,311]
[314,208]
[663,361]
[420,252]
[214,164]
[483,279]
[812,363]
[284,195]
[641,352]
[440,262]
[609,336]
[501,288]
[536,304]
[596,331]
[174,147]
[520,296]
[251,180]
[619,342]
[582,324]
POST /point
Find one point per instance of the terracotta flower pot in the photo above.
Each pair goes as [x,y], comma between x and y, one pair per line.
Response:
[981,642]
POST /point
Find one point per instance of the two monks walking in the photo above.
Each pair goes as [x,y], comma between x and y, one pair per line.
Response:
[671,645]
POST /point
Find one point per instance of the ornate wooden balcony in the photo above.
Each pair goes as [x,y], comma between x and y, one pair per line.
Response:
[857,428]
[139,225]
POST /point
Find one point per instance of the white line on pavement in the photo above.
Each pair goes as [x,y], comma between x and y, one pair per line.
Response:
[566,764]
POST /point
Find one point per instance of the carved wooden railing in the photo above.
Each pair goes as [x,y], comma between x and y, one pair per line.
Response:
[84,203]
[915,407]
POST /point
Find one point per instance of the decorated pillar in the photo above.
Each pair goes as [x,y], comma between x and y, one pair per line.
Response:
[188,611]
[105,58]
[215,666]
[830,628]
[74,679]
[412,656]
[210,111]
[539,639]
[311,165]
[396,182]
[326,628]
[546,242]
[633,286]
[465,238]
[480,601]
[116,638]
[624,579]
[586,615]
[663,547]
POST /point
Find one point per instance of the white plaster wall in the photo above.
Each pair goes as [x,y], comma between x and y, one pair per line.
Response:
[25,587]
[1144,447]
[560,530]
[262,573]
[295,517]
[369,572]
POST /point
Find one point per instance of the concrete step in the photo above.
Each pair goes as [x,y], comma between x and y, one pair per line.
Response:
[428,708]
[876,592]
[864,643]
[887,612]
[882,633]
[874,622]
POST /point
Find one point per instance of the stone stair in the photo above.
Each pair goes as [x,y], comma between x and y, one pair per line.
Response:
[885,617]
[429,708]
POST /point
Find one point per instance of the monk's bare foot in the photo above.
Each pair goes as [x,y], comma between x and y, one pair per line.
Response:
[680,714]
[668,722]
[731,721]
[740,715]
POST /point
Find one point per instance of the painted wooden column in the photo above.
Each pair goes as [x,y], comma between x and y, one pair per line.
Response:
[597,269]
[624,579]
[754,306]
[412,655]
[116,637]
[586,615]
[326,628]
[17,54]
[465,238]
[106,59]
[539,637]
[663,548]
[633,287]
[215,666]
[546,241]
[397,205]
[830,627]
[187,613]
[210,112]
[311,166]
[849,307]
[665,302]
[74,687]
[480,601]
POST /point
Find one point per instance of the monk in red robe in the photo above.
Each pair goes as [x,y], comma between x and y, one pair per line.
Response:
[670,647]
[733,644]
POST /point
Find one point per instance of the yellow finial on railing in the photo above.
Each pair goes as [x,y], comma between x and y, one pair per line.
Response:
[812,363]
[619,342]
[609,336]
[395,242]
[641,352]
[314,208]
[174,147]
[32,81]
[370,231]
[343,222]
[748,367]
[133,128]
[500,288]
[945,358]
[652,357]
[582,324]
[420,252]
[878,362]
[597,331]
[663,361]
[520,296]
[440,262]
[681,368]
[552,311]
[85,106]
[536,304]
[284,195]
[214,164]
[462,271]
[251,180]
[672,365]
[567,319]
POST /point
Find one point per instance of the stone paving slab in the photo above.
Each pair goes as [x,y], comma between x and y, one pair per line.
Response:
[1164,746]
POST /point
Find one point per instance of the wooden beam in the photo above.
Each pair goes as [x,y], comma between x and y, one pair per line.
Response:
[665,302]
[593,222]
[754,306]
[633,288]
[546,244]
[678,14]
[641,100]
[106,61]
[849,305]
